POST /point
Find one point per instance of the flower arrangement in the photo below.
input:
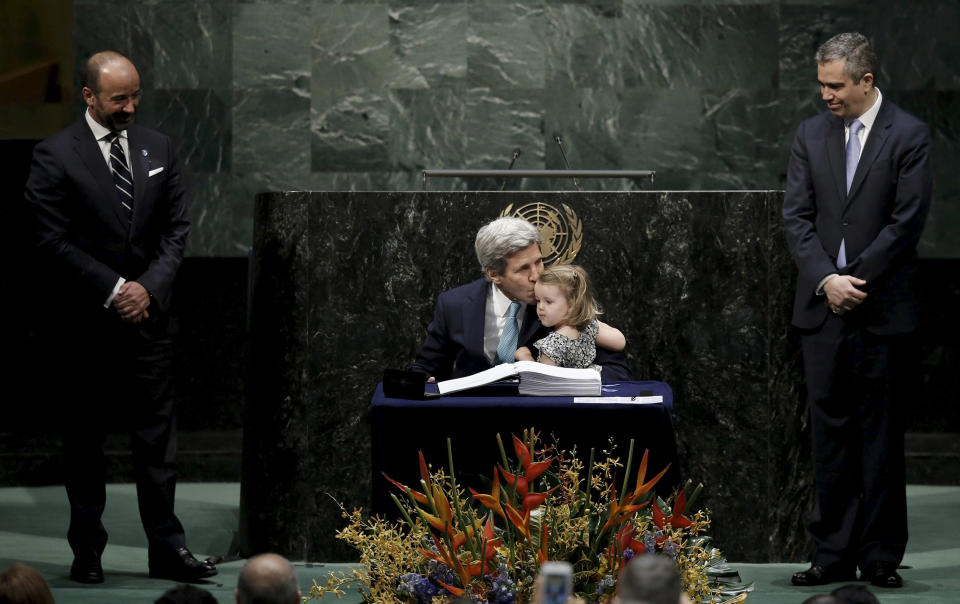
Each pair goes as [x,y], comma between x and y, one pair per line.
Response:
[545,505]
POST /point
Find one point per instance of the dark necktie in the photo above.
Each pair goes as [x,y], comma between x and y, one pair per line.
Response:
[508,339]
[121,174]
[853,158]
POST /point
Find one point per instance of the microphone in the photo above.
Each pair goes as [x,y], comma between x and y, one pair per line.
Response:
[516,154]
[556,137]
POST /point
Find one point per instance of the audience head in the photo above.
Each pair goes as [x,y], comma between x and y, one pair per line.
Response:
[823,599]
[854,594]
[649,579]
[186,594]
[268,579]
[573,284]
[509,253]
[21,584]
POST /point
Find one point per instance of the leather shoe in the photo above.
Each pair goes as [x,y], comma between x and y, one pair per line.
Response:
[181,566]
[86,569]
[821,575]
[881,574]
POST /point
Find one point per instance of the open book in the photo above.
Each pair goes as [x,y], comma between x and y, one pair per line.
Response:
[536,379]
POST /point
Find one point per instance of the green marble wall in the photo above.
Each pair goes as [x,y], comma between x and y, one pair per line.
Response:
[346,95]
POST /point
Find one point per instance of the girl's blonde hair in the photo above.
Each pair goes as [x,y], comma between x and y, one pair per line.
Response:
[574,283]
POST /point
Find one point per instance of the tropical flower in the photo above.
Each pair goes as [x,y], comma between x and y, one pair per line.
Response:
[489,546]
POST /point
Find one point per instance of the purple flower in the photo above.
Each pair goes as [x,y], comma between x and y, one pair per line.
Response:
[649,541]
[606,584]
[503,590]
[670,549]
[420,587]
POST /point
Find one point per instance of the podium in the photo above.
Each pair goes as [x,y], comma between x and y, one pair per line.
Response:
[344,285]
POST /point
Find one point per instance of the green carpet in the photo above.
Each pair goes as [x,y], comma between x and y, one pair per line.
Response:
[33,524]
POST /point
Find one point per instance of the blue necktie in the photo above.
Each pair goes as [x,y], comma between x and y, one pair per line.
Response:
[508,339]
[853,157]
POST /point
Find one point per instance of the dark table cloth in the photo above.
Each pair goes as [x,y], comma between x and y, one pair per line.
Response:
[400,428]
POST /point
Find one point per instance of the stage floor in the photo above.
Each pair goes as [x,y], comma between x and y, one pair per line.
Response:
[33,523]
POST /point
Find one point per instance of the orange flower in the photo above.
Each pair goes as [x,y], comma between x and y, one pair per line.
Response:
[641,487]
[676,519]
[491,501]
[521,521]
[424,475]
[531,470]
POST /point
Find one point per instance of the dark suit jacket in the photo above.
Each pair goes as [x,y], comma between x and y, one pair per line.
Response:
[880,220]
[454,344]
[81,229]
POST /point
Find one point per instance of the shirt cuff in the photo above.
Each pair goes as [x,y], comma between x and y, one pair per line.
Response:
[824,282]
[113,294]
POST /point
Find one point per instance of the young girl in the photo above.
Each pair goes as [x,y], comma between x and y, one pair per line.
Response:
[565,303]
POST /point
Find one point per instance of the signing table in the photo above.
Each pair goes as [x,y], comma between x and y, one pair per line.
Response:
[401,427]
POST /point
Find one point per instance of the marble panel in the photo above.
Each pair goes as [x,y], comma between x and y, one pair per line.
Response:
[662,45]
[351,49]
[271,135]
[192,44]
[735,46]
[746,130]
[271,46]
[427,128]
[365,181]
[198,121]
[601,8]
[667,130]
[430,43]
[593,129]
[582,46]
[505,45]
[915,43]
[496,122]
[220,207]
[352,133]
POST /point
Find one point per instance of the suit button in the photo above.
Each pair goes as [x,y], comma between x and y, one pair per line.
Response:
[845,223]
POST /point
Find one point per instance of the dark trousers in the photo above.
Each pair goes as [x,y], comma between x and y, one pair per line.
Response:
[118,376]
[856,399]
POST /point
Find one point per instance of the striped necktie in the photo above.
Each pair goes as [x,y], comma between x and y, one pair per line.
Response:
[122,178]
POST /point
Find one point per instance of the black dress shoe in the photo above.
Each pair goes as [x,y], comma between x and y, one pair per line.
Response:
[820,575]
[181,566]
[881,574]
[86,570]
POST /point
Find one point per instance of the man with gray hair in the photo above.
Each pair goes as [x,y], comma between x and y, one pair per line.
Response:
[481,324]
[268,579]
[858,192]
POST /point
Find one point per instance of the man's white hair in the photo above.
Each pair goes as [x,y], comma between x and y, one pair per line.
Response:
[502,238]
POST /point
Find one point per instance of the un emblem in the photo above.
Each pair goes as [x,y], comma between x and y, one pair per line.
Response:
[562,232]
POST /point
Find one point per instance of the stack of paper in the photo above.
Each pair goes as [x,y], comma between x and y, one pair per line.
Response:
[536,379]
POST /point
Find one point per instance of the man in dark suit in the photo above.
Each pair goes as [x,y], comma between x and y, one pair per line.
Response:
[858,192]
[467,334]
[111,224]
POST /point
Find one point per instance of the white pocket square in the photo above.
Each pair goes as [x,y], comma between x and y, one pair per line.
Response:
[155,171]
